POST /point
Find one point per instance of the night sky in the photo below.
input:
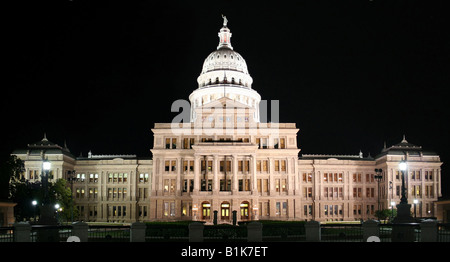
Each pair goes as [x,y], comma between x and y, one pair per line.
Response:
[351,74]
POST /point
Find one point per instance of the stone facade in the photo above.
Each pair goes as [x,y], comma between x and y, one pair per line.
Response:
[225,159]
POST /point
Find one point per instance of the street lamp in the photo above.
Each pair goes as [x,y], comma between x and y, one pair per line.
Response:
[46,166]
[34,203]
[403,166]
[47,213]
[378,177]
[403,208]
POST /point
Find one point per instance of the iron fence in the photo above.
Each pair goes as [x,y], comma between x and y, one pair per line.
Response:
[271,232]
[99,233]
[50,233]
[386,231]
[341,232]
[284,232]
[224,233]
[167,232]
[6,234]
[444,232]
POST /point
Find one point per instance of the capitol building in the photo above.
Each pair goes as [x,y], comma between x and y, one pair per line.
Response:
[218,156]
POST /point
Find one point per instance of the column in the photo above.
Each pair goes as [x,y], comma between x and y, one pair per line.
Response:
[178,180]
[196,173]
[253,181]
[215,170]
[131,193]
[297,178]
[234,170]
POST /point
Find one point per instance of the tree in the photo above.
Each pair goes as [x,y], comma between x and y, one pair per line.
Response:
[61,194]
[385,214]
[10,172]
[14,187]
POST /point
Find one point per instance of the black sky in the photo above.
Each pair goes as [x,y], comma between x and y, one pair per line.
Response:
[351,74]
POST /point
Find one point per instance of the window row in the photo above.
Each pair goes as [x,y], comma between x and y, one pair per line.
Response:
[262,142]
[357,192]
[417,191]
[332,177]
[243,166]
[225,185]
[357,178]
[338,210]
[112,177]
[416,175]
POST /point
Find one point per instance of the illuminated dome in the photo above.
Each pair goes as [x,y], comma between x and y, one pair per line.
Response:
[225,74]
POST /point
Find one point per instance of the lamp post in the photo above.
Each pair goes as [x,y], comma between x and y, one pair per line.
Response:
[34,203]
[378,177]
[46,166]
[47,211]
[403,233]
[403,166]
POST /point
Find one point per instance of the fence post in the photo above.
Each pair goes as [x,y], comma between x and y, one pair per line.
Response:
[138,232]
[254,232]
[196,232]
[370,228]
[312,231]
[22,232]
[80,229]
[429,231]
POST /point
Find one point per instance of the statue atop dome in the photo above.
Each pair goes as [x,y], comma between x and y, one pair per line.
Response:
[225,21]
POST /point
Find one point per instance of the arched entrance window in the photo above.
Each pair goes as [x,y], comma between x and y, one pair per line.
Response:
[244,210]
[225,211]
[206,210]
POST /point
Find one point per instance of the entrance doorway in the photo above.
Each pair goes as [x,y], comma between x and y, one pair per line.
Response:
[225,211]
[244,210]
[206,210]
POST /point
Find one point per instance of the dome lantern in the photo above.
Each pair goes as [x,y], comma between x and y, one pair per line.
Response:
[225,35]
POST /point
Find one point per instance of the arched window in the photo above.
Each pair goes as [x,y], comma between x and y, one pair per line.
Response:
[225,210]
[206,210]
[244,210]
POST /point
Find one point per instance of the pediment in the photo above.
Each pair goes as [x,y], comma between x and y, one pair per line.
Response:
[225,102]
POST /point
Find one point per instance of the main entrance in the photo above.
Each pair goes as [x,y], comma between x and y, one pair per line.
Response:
[244,210]
[206,210]
[225,211]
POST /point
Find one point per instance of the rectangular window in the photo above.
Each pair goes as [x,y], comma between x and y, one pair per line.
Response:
[282,143]
[171,143]
[167,166]
[173,165]
[283,165]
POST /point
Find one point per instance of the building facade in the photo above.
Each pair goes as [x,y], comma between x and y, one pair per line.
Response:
[222,158]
